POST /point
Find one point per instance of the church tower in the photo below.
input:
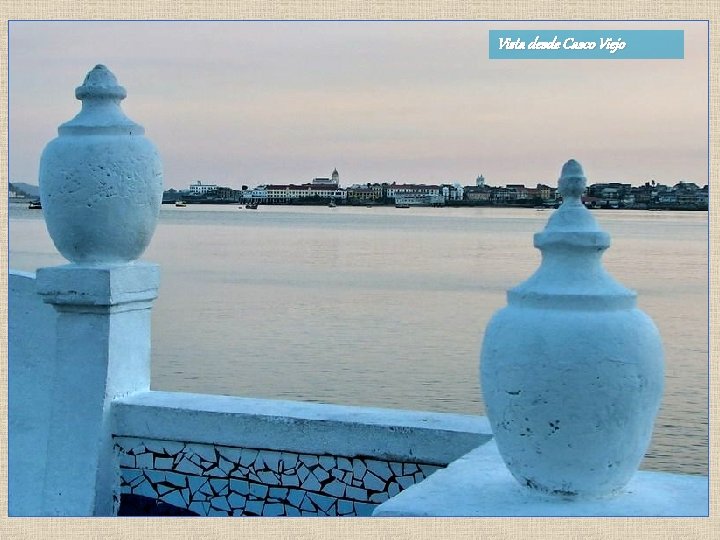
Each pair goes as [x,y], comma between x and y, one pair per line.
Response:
[335,177]
[480,181]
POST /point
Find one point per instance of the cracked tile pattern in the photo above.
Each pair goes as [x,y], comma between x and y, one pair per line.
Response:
[224,481]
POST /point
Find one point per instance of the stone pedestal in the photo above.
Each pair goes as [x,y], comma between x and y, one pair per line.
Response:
[479,485]
[102,349]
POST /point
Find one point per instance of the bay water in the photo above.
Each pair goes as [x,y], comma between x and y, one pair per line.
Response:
[386,307]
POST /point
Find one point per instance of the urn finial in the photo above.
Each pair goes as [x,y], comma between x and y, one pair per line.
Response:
[572,216]
[101,95]
[571,184]
[100,83]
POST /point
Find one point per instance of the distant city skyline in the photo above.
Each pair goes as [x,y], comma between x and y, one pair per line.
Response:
[249,103]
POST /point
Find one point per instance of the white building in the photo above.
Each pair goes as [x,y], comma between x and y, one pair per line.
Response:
[259,194]
[413,190]
[415,194]
[334,180]
[280,193]
[419,199]
[198,188]
[452,192]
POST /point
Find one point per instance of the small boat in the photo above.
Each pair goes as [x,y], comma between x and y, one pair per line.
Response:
[35,205]
[402,206]
[251,206]
[332,204]
[180,204]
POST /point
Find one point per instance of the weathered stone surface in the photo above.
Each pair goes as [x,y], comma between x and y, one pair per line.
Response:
[355,493]
[100,165]
[379,469]
[478,485]
[278,493]
[219,503]
[248,457]
[164,463]
[373,483]
[240,486]
[406,481]
[175,479]
[201,508]
[289,460]
[309,461]
[144,461]
[269,478]
[269,460]
[258,491]
[359,468]
[230,454]
[363,509]
[237,501]
[321,501]
[571,369]
[295,497]
[335,488]
[188,467]
[127,460]
[219,486]
[321,474]
[213,480]
[290,480]
[175,498]
[196,482]
[345,508]
[274,510]
[154,476]
[254,508]
[409,468]
[145,489]
[311,483]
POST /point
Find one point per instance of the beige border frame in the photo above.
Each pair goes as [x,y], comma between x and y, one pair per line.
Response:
[342,528]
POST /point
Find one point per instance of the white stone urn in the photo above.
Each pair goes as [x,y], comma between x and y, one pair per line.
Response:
[100,179]
[571,370]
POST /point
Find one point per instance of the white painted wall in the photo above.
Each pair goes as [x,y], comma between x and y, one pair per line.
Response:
[230,456]
[436,438]
[103,353]
[31,364]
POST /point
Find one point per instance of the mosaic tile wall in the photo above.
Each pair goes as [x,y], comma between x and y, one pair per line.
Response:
[222,481]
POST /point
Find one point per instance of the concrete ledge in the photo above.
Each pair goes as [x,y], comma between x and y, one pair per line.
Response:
[408,436]
[478,484]
[100,285]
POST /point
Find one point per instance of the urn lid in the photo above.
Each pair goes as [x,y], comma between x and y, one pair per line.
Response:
[101,95]
[100,83]
[571,273]
[572,216]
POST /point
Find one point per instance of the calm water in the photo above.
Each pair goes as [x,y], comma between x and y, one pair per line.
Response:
[386,307]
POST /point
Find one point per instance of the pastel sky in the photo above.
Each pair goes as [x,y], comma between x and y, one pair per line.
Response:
[242,102]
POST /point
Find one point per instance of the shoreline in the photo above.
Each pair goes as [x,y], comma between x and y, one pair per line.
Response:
[455,204]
